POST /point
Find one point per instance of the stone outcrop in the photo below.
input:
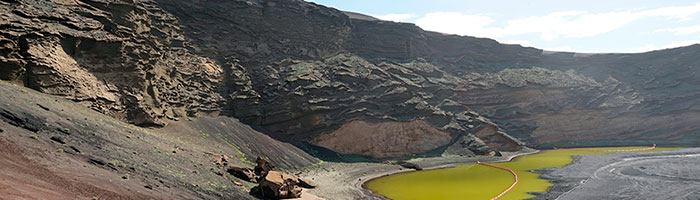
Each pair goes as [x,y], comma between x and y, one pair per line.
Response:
[468,146]
[271,184]
[246,174]
[279,185]
[262,167]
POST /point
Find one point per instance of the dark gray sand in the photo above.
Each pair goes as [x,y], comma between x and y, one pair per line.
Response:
[653,175]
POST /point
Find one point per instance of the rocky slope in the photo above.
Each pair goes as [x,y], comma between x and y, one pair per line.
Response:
[305,73]
[52,148]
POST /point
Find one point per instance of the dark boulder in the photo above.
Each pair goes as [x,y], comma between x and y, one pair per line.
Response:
[409,165]
[263,167]
[246,174]
[58,139]
[306,183]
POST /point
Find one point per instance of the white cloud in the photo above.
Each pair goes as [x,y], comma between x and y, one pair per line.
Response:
[395,17]
[569,24]
[651,47]
[682,13]
[680,44]
[566,24]
[458,23]
[681,30]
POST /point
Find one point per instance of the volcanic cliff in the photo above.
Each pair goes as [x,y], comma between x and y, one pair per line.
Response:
[325,79]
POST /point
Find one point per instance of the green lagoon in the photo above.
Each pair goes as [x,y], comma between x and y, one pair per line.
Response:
[473,181]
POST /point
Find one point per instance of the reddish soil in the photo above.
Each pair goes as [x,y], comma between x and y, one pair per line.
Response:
[32,170]
[384,139]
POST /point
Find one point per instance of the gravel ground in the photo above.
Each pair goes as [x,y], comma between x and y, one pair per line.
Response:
[344,180]
[653,175]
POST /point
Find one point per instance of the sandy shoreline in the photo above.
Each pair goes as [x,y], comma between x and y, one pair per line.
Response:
[637,175]
[345,180]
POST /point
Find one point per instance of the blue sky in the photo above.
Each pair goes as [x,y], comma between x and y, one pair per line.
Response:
[595,26]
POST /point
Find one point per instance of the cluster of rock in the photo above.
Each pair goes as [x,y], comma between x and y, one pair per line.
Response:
[271,183]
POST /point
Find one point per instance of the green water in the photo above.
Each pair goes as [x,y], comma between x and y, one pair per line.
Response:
[474,181]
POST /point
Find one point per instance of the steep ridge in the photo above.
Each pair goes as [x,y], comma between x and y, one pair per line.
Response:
[544,98]
[301,60]
[300,72]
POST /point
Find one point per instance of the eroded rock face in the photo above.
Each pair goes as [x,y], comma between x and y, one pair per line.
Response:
[302,71]
[384,139]
[149,62]
[314,86]
[126,59]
